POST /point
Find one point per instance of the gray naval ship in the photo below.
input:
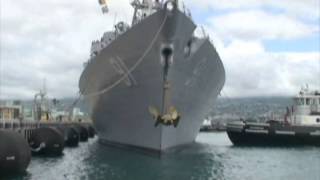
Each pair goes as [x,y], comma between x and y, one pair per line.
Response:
[150,84]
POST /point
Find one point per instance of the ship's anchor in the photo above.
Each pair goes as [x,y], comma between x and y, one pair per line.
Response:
[169,119]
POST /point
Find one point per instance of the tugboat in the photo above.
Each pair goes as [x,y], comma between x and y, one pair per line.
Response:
[300,125]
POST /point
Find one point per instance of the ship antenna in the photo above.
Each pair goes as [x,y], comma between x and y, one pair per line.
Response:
[0,68]
[204,32]
[115,19]
[43,90]
[319,73]
[184,7]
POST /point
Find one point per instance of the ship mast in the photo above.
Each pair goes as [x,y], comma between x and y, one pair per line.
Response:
[141,9]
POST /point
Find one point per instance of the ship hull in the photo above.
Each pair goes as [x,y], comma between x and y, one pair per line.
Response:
[260,134]
[127,78]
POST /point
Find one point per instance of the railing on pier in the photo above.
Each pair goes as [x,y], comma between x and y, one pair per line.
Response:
[25,128]
[15,123]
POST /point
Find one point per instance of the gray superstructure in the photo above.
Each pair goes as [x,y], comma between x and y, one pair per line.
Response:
[156,65]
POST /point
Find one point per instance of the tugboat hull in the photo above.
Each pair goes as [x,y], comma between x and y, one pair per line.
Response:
[260,134]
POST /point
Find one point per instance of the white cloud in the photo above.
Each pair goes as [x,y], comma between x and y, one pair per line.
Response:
[51,39]
[298,8]
[252,71]
[260,25]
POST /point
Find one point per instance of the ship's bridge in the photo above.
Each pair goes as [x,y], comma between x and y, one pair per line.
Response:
[309,102]
[307,107]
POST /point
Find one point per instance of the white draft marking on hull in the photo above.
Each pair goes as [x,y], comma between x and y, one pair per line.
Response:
[315,133]
[256,131]
[285,132]
[235,127]
[10,158]
[258,124]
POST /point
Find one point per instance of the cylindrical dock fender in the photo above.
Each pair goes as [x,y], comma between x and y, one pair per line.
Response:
[46,141]
[91,131]
[15,154]
[83,132]
[71,136]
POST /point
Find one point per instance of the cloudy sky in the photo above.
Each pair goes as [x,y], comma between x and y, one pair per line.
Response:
[269,47]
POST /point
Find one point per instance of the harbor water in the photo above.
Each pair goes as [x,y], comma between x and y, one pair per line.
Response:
[211,157]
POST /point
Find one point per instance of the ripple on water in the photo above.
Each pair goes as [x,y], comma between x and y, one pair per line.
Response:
[212,157]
